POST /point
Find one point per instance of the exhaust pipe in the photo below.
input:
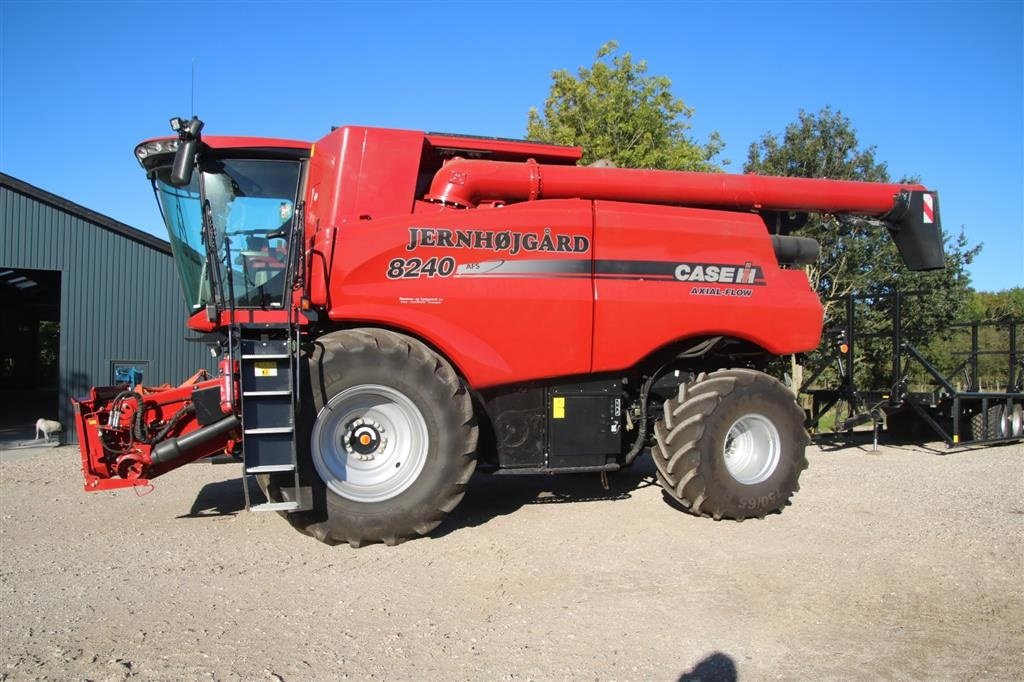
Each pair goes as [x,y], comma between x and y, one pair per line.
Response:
[175,448]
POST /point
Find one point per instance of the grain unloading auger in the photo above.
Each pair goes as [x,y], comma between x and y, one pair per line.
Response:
[393,309]
[909,211]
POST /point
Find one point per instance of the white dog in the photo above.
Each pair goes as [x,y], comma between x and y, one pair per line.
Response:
[47,427]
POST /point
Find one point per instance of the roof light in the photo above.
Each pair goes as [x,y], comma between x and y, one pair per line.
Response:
[147,149]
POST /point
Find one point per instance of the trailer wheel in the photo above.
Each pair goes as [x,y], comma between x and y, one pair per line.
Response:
[1017,420]
[393,442]
[731,445]
[997,426]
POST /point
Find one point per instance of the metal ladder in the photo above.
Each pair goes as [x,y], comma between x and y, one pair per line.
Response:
[269,371]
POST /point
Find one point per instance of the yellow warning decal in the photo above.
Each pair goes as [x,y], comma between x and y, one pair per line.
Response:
[956,439]
[265,369]
[558,408]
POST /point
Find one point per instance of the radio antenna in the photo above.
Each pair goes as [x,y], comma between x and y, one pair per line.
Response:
[193,87]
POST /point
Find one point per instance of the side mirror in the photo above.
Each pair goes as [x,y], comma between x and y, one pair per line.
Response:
[185,157]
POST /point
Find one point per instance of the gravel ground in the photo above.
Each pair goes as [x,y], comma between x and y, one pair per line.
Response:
[903,563]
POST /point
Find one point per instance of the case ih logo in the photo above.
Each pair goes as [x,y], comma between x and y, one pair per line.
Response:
[720,273]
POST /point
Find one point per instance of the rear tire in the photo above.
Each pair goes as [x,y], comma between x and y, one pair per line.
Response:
[393,441]
[731,445]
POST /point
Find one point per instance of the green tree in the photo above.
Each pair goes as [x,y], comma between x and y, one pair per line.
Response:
[615,111]
[857,255]
[996,305]
[995,310]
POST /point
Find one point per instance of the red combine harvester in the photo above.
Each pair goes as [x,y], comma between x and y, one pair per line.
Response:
[392,308]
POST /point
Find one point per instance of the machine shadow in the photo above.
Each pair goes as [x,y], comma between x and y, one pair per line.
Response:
[717,667]
[222,498]
[864,441]
[833,442]
[490,496]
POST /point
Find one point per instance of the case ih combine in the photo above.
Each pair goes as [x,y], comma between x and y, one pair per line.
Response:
[392,308]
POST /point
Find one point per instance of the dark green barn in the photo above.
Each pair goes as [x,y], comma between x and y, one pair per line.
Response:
[83,298]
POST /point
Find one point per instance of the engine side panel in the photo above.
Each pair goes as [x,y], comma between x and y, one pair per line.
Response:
[664,273]
[505,293]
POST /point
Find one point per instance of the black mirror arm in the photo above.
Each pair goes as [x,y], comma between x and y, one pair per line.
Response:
[190,136]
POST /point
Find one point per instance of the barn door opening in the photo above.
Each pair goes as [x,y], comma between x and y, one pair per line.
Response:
[29,350]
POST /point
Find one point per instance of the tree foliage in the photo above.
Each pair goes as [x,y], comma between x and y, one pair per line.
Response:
[616,111]
[857,255]
[991,306]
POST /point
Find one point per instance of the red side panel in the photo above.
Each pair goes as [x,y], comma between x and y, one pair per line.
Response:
[356,174]
[361,173]
[505,292]
[664,274]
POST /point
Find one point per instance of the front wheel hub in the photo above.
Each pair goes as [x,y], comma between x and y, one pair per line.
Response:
[364,438]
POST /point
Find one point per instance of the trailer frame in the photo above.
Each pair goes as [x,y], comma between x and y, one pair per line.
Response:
[946,411]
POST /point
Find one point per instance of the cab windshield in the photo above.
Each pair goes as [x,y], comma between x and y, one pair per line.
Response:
[252,204]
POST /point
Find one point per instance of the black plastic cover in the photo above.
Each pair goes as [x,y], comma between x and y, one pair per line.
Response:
[207,404]
[520,426]
[795,250]
[557,426]
[917,230]
[584,424]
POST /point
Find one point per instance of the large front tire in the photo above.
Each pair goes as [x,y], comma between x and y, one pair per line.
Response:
[393,442]
[731,445]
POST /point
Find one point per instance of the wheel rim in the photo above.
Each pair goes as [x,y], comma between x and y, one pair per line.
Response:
[1017,421]
[752,449]
[369,443]
[1007,425]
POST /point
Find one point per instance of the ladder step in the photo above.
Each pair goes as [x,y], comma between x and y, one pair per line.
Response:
[275,506]
[267,354]
[270,468]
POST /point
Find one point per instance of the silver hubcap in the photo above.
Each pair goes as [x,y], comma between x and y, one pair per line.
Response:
[752,449]
[369,443]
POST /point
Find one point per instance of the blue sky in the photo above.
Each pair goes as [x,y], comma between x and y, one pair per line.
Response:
[937,87]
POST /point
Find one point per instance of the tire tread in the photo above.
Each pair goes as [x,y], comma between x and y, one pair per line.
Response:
[695,402]
[333,528]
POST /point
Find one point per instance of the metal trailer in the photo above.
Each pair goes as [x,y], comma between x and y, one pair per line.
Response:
[957,417]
